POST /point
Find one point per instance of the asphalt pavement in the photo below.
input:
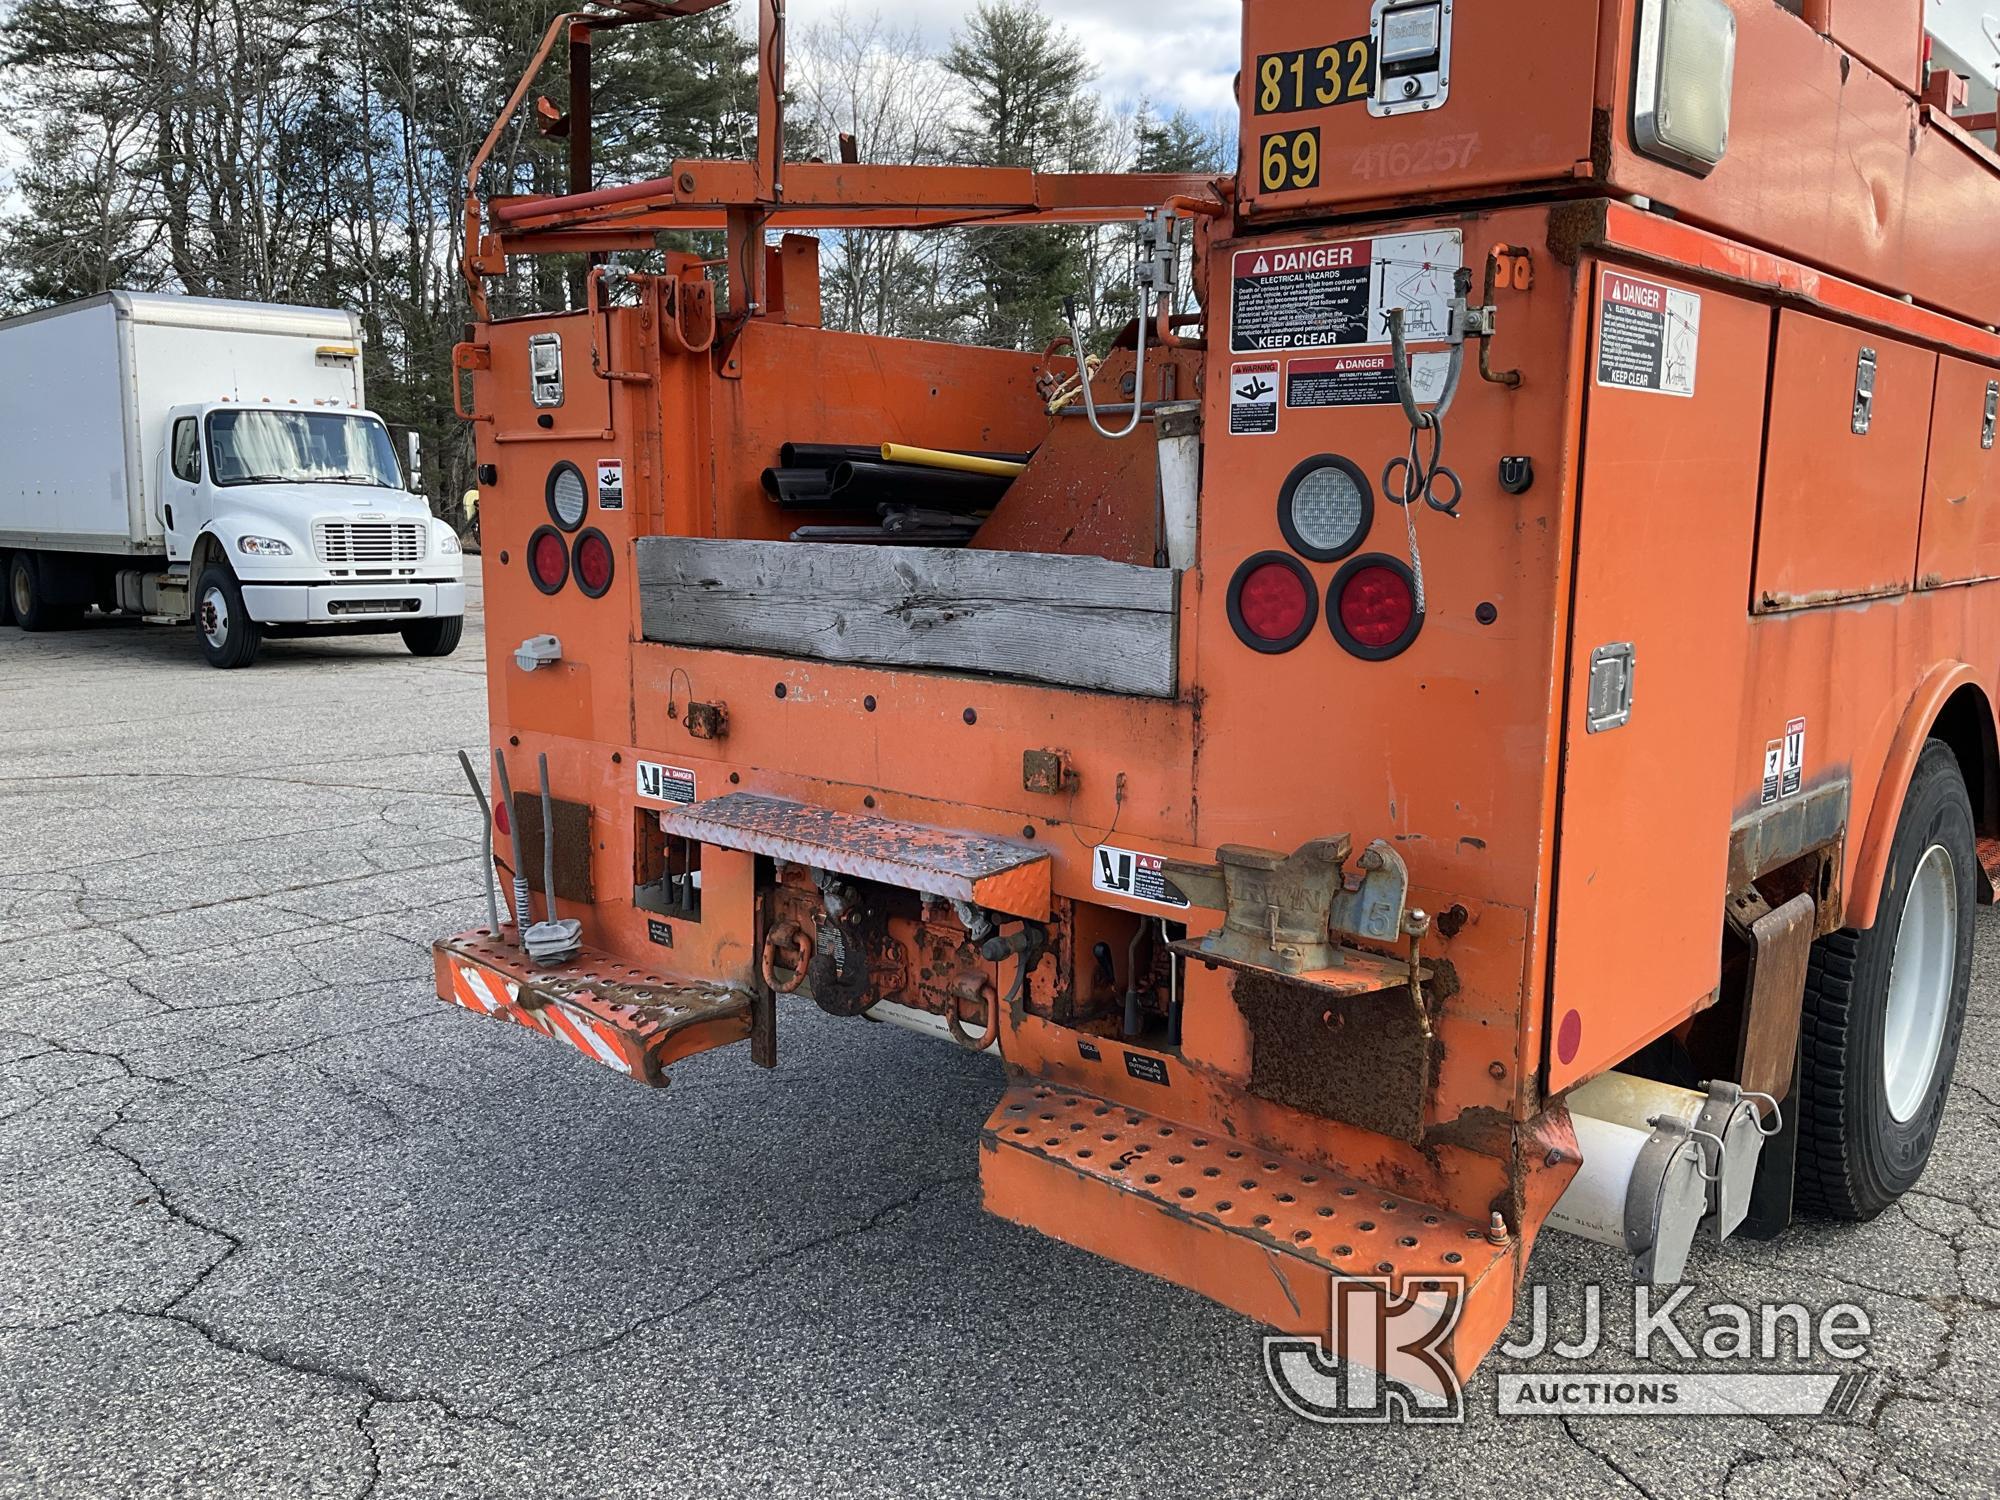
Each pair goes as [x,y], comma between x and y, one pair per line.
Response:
[275,1222]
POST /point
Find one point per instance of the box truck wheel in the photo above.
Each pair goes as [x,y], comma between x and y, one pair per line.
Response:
[229,637]
[28,594]
[435,637]
[1884,1009]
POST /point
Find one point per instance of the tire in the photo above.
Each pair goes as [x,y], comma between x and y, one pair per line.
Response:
[6,588]
[229,637]
[435,637]
[28,595]
[1879,1035]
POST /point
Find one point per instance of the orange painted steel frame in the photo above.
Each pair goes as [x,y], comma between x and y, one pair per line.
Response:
[1764,570]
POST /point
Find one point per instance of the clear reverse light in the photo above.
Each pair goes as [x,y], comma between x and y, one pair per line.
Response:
[568,499]
[1328,509]
[1686,79]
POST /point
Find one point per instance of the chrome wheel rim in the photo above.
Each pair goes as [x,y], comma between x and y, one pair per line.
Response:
[1920,984]
[215,618]
[24,600]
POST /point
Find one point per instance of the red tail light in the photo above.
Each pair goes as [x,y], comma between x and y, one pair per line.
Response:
[548,560]
[500,823]
[1273,602]
[593,563]
[1373,607]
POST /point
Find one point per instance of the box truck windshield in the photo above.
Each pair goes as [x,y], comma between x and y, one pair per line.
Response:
[301,447]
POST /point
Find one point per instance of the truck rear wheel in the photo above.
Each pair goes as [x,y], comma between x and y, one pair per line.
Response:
[1884,1009]
[229,637]
[28,593]
[435,637]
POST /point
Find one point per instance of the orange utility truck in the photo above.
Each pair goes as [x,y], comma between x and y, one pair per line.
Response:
[1472,711]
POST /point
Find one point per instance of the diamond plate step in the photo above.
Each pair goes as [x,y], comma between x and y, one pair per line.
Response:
[989,872]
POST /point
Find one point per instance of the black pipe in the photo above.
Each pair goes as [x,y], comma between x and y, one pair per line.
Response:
[911,484]
[823,455]
[807,489]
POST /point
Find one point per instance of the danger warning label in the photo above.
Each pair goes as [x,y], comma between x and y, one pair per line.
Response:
[1648,337]
[1253,399]
[1361,380]
[1127,872]
[1328,296]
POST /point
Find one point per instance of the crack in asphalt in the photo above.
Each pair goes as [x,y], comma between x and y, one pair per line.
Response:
[172,1310]
[751,1272]
[1568,1425]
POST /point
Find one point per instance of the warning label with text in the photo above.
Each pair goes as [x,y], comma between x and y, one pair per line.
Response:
[659,783]
[1361,380]
[1127,872]
[1287,297]
[1253,399]
[1649,336]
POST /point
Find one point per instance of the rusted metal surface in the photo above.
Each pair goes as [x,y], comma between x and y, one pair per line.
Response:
[1781,942]
[1361,1058]
[573,881]
[988,872]
[1047,773]
[623,1018]
[707,721]
[1263,1233]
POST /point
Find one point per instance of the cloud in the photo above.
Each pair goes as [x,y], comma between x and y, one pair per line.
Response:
[1178,53]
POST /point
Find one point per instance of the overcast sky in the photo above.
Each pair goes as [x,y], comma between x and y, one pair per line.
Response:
[1176,52]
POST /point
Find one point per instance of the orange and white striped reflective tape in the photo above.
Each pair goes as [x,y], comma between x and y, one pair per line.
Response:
[474,989]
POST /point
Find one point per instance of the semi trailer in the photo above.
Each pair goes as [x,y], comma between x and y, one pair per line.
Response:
[1475,718]
[187,459]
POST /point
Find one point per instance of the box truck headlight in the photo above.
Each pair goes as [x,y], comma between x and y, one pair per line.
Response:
[262,546]
[447,541]
[1686,76]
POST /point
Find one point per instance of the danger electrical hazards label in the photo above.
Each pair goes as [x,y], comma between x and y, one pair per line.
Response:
[1648,336]
[1329,296]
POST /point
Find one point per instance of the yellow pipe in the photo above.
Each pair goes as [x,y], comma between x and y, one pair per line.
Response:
[964,463]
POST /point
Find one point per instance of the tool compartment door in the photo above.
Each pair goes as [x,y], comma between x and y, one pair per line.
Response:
[1840,506]
[1961,534]
[1673,429]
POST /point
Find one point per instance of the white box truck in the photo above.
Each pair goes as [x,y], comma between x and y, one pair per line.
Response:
[193,460]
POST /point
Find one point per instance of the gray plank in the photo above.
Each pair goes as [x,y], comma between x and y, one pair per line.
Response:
[1067,621]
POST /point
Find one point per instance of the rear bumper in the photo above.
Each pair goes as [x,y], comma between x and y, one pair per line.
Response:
[351,603]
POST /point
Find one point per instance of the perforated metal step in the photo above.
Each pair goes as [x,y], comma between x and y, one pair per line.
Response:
[1262,1233]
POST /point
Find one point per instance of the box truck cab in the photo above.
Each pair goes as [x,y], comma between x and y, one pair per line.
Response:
[191,460]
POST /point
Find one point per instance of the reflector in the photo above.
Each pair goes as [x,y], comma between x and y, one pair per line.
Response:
[593,563]
[548,560]
[1373,608]
[1273,603]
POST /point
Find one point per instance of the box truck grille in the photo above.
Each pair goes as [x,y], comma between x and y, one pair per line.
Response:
[369,543]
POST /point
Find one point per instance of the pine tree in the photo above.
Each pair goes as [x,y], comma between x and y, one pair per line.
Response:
[1027,84]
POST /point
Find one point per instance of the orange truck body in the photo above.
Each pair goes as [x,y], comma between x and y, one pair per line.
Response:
[1802,605]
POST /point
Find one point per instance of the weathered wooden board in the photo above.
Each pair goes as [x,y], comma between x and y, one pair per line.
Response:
[1067,621]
